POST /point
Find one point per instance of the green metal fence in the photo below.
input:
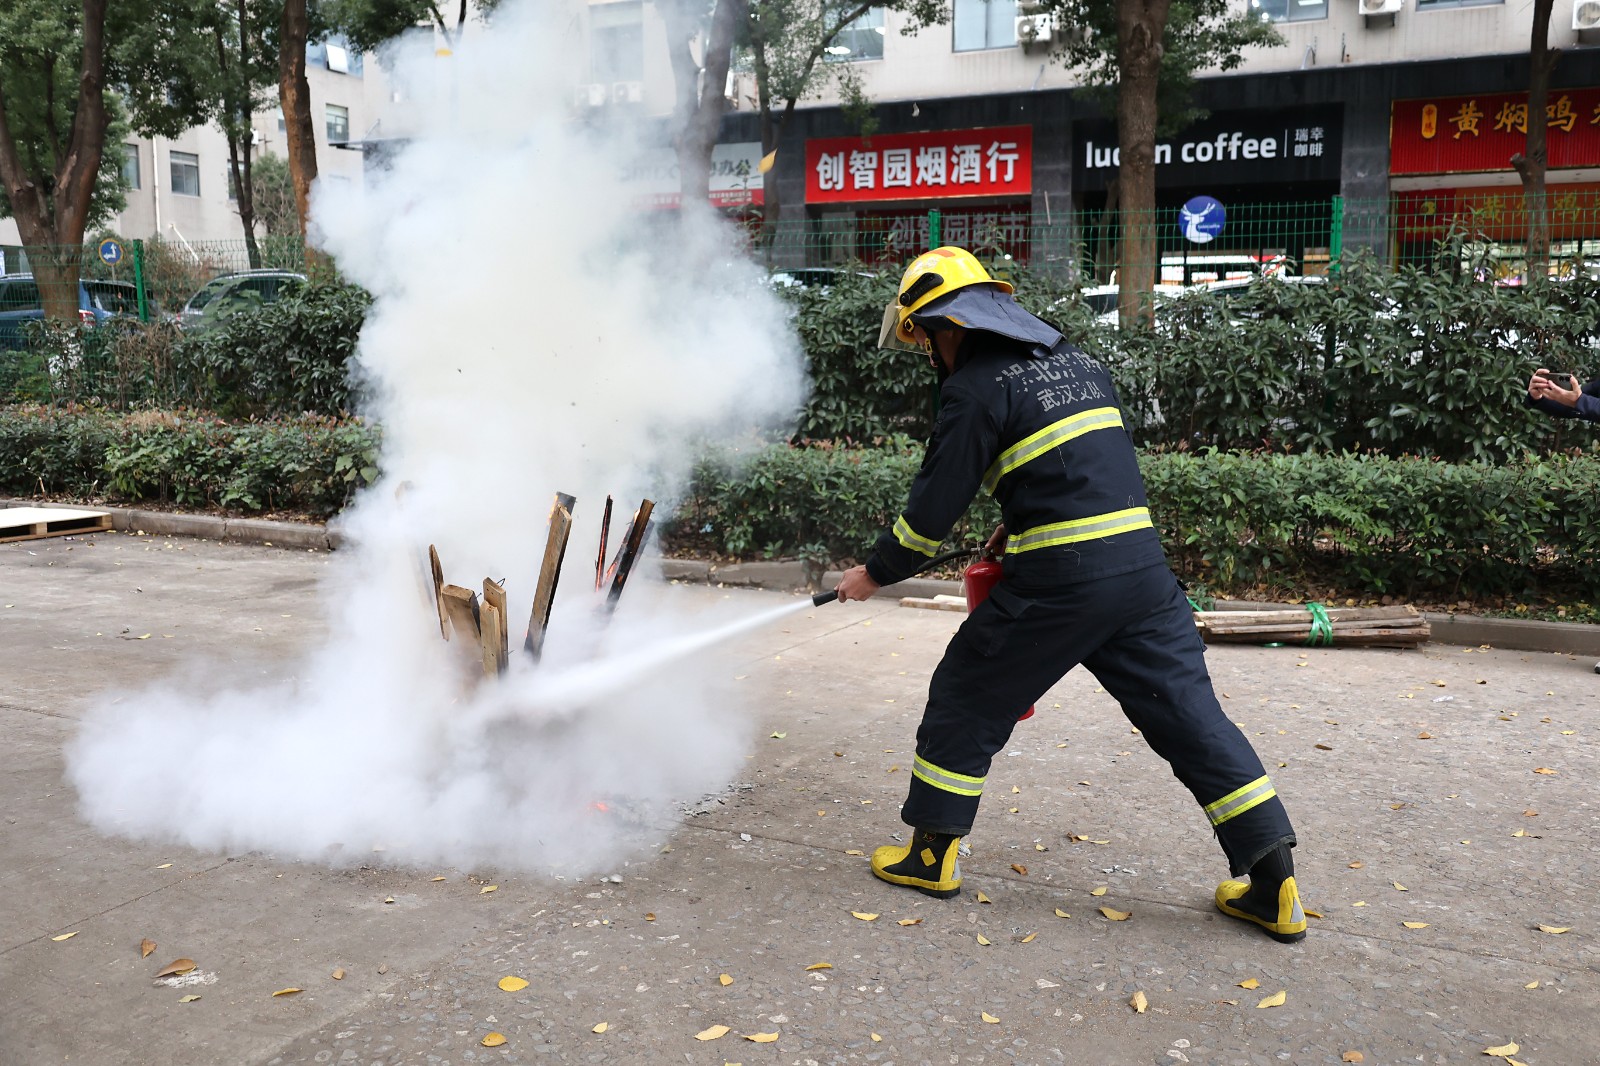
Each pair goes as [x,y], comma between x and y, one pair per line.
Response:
[1481,229]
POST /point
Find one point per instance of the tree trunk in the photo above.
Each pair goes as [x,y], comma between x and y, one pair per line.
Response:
[237,130]
[52,222]
[294,96]
[1531,164]
[1141,25]
[700,104]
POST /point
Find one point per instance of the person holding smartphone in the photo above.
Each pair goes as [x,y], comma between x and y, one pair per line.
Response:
[1548,394]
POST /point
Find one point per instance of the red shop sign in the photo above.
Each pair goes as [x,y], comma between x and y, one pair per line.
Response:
[1476,134]
[996,161]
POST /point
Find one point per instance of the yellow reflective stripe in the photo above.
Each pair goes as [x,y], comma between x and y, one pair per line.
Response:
[947,780]
[1240,800]
[910,538]
[1091,528]
[1051,436]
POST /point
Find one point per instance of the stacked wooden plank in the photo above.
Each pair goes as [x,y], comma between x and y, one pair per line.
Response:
[1400,626]
[481,625]
[32,523]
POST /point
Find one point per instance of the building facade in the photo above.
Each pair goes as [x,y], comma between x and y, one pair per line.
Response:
[1382,124]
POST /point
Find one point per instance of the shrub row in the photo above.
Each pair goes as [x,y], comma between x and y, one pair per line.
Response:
[310,464]
[1409,527]
[288,357]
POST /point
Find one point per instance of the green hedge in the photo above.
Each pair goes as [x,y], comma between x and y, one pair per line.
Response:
[310,465]
[1404,526]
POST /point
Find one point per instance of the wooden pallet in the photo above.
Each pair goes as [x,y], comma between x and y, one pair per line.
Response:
[31,523]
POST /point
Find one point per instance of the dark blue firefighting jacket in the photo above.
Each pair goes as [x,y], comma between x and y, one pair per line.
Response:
[1035,422]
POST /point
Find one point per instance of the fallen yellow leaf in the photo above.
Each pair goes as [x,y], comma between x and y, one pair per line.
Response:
[1352,1056]
[146,947]
[1250,982]
[1021,869]
[1520,833]
[876,1039]
[1098,891]
[1139,1003]
[1277,999]
[864,916]
[338,975]
[712,1033]
[1543,770]
[1514,1062]
[820,966]
[1358,864]
[1311,913]
[512,984]
[65,936]
[1116,915]
[761,1038]
[1503,1050]
[493,1040]
[286,991]
[602,1027]
[188,999]
[176,966]
[1359,903]
[649,917]
[1029,938]
[1568,732]
[1061,913]
[438,879]
[1531,984]
[779,736]
[853,851]
[1415,925]
[1398,887]
[983,940]
[726,980]
[909,921]
[991,1019]
[984,899]
[1554,928]
[488,888]
[1424,735]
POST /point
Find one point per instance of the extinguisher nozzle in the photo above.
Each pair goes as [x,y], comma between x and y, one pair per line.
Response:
[824,597]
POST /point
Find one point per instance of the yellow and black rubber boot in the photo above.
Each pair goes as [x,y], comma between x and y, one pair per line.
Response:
[1271,899]
[930,864]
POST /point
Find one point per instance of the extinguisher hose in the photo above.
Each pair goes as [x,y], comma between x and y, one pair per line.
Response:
[937,561]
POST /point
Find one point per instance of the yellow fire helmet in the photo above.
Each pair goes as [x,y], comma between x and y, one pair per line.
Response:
[932,275]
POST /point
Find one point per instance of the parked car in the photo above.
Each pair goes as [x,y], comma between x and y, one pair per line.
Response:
[229,294]
[98,302]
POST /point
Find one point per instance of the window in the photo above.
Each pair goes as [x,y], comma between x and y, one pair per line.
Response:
[282,126]
[1436,5]
[334,54]
[1291,10]
[130,165]
[860,39]
[616,42]
[185,173]
[338,123]
[985,24]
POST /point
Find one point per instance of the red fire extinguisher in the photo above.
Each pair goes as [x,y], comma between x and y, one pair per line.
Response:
[979,580]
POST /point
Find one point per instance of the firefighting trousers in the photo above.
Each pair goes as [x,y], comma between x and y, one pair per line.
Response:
[1136,634]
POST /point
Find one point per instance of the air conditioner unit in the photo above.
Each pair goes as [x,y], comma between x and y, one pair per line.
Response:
[1381,8]
[627,92]
[1586,15]
[592,95]
[1035,30]
[1029,7]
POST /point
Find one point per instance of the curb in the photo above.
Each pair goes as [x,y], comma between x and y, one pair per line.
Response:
[1511,634]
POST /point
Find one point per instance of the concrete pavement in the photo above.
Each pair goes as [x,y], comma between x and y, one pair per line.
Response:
[1454,829]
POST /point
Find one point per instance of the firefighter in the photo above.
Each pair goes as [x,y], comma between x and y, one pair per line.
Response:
[1029,418]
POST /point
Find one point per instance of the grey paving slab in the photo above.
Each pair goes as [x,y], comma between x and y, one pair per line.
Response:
[1410,776]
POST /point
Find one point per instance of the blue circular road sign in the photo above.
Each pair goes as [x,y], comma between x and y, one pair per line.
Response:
[1201,220]
[111,251]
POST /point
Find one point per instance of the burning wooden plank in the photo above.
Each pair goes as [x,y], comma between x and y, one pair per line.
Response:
[633,543]
[437,573]
[462,607]
[600,559]
[555,549]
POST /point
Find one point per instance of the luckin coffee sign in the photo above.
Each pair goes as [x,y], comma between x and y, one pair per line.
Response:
[1242,147]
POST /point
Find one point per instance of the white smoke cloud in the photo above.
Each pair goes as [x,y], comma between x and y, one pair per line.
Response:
[532,333]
